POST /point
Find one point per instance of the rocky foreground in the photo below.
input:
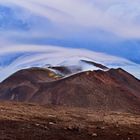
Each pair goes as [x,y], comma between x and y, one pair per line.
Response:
[20,121]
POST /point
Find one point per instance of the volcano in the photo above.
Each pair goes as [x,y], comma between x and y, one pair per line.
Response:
[103,89]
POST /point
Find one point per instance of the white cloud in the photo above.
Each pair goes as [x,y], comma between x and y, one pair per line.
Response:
[116,16]
[57,51]
[34,55]
[69,17]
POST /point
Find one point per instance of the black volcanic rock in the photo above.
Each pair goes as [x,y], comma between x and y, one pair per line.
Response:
[95,64]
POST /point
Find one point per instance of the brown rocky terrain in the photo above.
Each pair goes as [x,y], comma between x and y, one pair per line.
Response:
[25,81]
[40,104]
[20,121]
[112,90]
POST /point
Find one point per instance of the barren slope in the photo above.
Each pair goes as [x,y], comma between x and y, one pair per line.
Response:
[32,122]
[114,89]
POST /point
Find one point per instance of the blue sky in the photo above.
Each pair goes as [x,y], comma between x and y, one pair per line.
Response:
[111,27]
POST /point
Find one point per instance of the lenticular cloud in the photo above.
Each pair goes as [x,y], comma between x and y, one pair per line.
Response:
[19,57]
[59,19]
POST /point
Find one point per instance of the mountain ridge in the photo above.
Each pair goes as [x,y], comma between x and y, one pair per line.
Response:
[113,89]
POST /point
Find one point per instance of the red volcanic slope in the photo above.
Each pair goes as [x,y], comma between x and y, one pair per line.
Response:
[114,89]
